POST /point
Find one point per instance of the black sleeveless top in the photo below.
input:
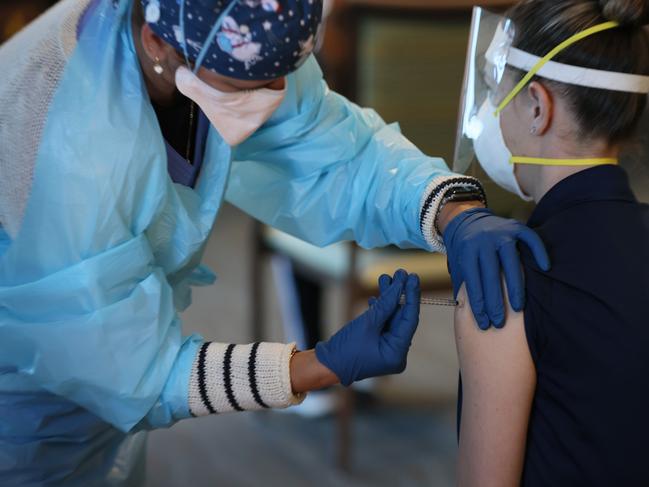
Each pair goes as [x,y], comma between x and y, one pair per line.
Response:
[587,326]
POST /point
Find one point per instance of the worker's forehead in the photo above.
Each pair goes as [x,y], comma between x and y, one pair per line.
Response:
[227,83]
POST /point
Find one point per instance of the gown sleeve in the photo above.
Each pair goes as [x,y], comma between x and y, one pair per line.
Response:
[325,170]
[110,341]
[101,332]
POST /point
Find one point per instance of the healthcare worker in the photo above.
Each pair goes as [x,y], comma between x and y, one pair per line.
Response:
[110,184]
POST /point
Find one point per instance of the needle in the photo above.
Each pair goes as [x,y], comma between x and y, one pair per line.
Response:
[433,301]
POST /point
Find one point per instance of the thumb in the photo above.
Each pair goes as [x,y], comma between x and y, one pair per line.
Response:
[384,283]
[404,330]
[388,302]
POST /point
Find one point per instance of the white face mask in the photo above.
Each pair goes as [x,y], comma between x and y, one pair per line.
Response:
[493,154]
[236,116]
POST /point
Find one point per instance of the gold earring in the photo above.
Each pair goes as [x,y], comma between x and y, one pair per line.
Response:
[157,67]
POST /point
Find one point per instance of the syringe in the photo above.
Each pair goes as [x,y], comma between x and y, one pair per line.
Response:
[433,301]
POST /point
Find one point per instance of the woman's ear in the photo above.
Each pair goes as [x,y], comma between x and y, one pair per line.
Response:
[159,58]
[154,47]
[542,107]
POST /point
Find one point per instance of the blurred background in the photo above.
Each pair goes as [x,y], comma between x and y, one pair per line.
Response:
[404,58]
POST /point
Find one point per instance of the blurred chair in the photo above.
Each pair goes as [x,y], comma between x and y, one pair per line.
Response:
[404,58]
[344,264]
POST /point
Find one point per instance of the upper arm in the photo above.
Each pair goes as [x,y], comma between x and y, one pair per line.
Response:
[498,383]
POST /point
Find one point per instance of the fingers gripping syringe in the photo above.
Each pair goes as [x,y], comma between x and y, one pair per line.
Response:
[433,301]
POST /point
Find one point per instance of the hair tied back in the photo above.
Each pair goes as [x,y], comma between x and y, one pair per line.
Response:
[627,12]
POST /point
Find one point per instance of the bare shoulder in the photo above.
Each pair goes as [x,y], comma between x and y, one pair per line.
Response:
[468,334]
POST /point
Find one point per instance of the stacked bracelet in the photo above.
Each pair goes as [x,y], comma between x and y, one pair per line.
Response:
[459,195]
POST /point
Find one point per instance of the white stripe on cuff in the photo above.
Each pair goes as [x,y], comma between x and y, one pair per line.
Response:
[227,378]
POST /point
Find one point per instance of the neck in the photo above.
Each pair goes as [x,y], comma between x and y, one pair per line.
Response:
[537,180]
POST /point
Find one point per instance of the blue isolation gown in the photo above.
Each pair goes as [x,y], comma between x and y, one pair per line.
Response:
[91,346]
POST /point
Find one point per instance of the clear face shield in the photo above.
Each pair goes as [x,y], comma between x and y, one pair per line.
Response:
[490,39]
[488,89]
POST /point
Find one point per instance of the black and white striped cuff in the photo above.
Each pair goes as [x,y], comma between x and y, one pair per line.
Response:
[228,378]
[431,202]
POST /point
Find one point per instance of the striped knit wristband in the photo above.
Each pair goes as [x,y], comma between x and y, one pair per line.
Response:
[227,378]
[432,203]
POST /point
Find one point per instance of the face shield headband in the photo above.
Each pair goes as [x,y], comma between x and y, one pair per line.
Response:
[575,75]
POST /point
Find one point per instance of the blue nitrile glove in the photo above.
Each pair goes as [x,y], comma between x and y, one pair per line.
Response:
[478,245]
[377,342]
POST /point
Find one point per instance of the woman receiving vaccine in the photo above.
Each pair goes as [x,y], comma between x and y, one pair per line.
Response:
[559,396]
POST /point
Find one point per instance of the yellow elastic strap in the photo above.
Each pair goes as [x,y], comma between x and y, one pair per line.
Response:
[548,57]
[563,162]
